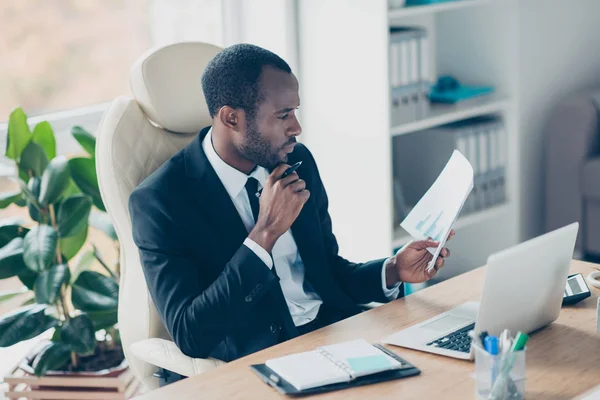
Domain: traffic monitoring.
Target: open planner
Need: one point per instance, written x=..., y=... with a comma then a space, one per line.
x=333, y=367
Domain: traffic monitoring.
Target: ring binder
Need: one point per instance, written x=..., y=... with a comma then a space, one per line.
x=333, y=367
x=342, y=366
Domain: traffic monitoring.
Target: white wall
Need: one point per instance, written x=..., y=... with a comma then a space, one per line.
x=559, y=55
x=267, y=23
x=187, y=20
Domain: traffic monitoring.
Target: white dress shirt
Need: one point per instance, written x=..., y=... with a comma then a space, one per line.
x=302, y=300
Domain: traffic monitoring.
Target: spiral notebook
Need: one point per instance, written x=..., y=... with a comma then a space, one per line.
x=334, y=367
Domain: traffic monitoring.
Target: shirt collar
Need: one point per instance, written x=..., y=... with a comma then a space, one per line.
x=233, y=180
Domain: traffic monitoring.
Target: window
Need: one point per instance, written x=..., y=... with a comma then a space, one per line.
x=64, y=60
x=64, y=54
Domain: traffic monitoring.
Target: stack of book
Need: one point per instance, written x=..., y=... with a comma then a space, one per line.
x=419, y=158
x=409, y=73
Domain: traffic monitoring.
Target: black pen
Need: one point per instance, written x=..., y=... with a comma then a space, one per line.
x=291, y=169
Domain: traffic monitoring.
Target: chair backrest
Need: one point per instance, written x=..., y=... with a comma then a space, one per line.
x=135, y=137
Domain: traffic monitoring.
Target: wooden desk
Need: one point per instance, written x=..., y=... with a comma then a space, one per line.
x=563, y=359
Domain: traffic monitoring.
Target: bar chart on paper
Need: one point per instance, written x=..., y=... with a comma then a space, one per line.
x=432, y=228
x=437, y=210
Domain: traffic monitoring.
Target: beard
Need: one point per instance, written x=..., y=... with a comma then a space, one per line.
x=258, y=150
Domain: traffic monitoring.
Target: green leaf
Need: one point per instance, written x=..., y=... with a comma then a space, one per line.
x=51, y=358
x=56, y=336
x=85, y=139
x=78, y=334
x=7, y=198
x=54, y=180
x=24, y=323
x=33, y=159
x=44, y=136
x=33, y=207
x=70, y=246
x=94, y=292
x=73, y=214
x=84, y=263
x=71, y=189
x=27, y=193
x=83, y=171
x=10, y=229
x=19, y=135
x=9, y=318
x=23, y=175
x=11, y=294
x=49, y=283
x=28, y=277
x=11, y=259
x=29, y=301
x=103, y=319
x=39, y=247
x=21, y=202
x=102, y=222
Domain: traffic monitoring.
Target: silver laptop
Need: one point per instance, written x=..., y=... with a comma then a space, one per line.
x=523, y=291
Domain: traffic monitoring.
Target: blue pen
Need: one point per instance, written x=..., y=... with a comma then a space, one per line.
x=491, y=346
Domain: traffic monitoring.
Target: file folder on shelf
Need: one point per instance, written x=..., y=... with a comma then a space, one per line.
x=419, y=157
x=409, y=73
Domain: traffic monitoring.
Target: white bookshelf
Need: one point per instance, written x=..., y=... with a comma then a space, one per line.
x=440, y=114
x=395, y=14
x=345, y=96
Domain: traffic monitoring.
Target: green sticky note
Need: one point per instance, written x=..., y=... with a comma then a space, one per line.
x=370, y=363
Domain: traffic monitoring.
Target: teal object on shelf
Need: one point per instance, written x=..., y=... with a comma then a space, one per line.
x=449, y=90
x=426, y=2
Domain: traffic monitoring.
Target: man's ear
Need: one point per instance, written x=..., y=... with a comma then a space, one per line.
x=230, y=117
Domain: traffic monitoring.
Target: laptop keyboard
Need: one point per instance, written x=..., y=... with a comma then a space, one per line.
x=458, y=340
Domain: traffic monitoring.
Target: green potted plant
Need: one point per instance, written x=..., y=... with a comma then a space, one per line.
x=63, y=200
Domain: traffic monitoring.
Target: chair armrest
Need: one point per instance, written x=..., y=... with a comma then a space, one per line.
x=165, y=354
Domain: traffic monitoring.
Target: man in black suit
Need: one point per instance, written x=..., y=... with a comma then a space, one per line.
x=236, y=257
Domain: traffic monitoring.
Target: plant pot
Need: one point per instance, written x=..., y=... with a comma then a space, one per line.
x=117, y=383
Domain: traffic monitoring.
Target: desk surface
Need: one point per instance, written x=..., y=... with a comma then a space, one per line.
x=563, y=359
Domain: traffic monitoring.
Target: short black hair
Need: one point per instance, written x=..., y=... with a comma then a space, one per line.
x=231, y=78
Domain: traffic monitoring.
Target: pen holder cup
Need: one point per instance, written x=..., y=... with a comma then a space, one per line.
x=491, y=379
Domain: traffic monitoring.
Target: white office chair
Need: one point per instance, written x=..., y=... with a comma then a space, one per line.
x=135, y=137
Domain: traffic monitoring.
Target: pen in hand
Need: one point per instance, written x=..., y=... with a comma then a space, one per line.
x=291, y=169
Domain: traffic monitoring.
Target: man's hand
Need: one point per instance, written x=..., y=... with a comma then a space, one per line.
x=280, y=203
x=410, y=263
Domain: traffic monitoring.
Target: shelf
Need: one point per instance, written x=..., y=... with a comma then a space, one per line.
x=401, y=238
x=441, y=114
x=410, y=11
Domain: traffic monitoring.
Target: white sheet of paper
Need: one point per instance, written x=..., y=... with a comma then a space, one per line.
x=435, y=214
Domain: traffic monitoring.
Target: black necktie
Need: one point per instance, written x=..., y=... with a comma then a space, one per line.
x=253, y=195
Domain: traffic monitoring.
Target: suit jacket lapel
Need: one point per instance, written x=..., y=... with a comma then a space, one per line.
x=223, y=216
x=212, y=198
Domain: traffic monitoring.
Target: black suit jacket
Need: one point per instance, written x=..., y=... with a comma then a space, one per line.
x=215, y=296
